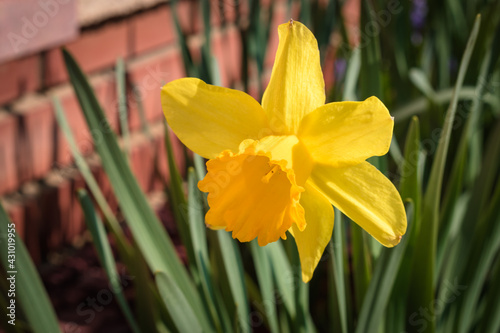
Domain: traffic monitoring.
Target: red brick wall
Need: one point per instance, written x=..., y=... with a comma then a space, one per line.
x=37, y=178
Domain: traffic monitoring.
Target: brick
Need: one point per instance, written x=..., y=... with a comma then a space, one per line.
x=102, y=179
x=105, y=91
x=104, y=86
x=227, y=49
x=8, y=145
x=19, y=77
x=329, y=68
x=31, y=26
x=162, y=159
x=189, y=15
x=96, y=49
x=58, y=205
x=279, y=17
x=223, y=12
x=76, y=122
x=142, y=158
x=35, y=229
x=151, y=29
x=147, y=75
x=77, y=220
x=351, y=14
x=91, y=12
x=35, y=158
x=15, y=210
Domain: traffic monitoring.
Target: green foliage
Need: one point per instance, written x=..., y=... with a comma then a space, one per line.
x=442, y=277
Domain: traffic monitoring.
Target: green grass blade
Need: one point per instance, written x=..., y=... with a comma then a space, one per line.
x=283, y=276
x=371, y=59
x=142, y=114
x=91, y=182
x=105, y=254
x=196, y=218
x=352, y=75
x=183, y=315
x=129, y=255
x=121, y=92
x=199, y=166
x=148, y=232
x=420, y=80
x=491, y=317
x=29, y=290
x=421, y=104
x=189, y=66
x=422, y=290
x=234, y=270
x=361, y=262
x=381, y=284
x=410, y=188
x=337, y=282
x=178, y=201
x=265, y=279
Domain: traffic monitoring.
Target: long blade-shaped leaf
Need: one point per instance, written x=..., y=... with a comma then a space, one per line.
x=182, y=314
x=25, y=284
x=148, y=232
x=105, y=254
x=234, y=270
x=265, y=278
x=90, y=180
x=338, y=286
x=381, y=284
x=422, y=289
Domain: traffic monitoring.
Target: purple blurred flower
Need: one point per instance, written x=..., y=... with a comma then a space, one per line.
x=340, y=68
x=418, y=16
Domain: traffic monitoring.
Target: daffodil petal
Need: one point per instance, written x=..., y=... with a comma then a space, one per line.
x=252, y=196
x=210, y=119
x=347, y=133
x=319, y=226
x=286, y=148
x=367, y=197
x=297, y=86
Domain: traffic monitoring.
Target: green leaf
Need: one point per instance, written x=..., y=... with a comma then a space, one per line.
x=421, y=104
x=29, y=290
x=265, y=278
x=123, y=246
x=283, y=276
x=234, y=270
x=337, y=282
x=410, y=188
x=371, y=59
x=420, y=80
x=148, y=232
x=423, y=288
x=178, y=201
x=352, y=76
x=178, y=306
x=491, y=317
x=381, y=284
x=121, y=92
x=105, y=254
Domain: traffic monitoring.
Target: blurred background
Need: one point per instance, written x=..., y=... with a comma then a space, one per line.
x=407, y=53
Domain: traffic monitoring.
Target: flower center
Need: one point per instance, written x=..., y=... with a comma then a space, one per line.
x=252, y=196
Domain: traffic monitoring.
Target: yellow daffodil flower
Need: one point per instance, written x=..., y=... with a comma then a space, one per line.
x=280, y=166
